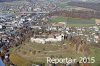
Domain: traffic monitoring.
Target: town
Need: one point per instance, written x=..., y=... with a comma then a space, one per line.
x=29, y=34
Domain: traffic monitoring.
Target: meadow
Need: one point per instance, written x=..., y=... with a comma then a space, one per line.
x=72, y=21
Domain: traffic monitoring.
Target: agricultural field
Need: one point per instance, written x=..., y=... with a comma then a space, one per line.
x=73, y=21
x=36, y=53
x=95, y=53
x=97, y=21
x=19, y=61
x=57, y=19
x=33, y=53
x=39, y=52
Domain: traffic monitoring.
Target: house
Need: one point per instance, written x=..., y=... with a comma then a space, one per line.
x=36, y=27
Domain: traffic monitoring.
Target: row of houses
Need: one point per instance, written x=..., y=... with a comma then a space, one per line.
x=89, y=34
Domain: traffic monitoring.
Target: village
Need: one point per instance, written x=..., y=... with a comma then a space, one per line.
x=33, y=30
x=14, y=30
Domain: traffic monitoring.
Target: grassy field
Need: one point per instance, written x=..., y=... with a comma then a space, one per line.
x=96, y=53
x=73, y=21
x=58, y=19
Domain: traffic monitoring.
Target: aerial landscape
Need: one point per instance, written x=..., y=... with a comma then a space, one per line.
x=49, y=32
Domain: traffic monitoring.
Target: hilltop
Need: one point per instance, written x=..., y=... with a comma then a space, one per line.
x=90, y=5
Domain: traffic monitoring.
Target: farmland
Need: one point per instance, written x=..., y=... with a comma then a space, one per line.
x=96, y=53
x=39, y=52
x=73, y=21
x=18, y=60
